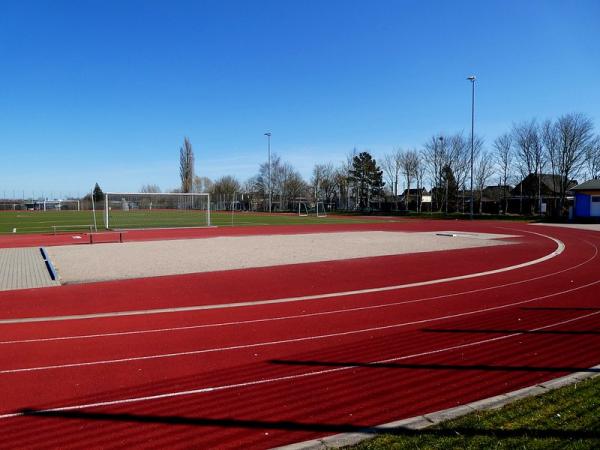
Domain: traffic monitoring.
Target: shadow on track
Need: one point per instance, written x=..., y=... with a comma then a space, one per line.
x=307, y=426
x=458, y=330
x=556, y=308
x=393, y=365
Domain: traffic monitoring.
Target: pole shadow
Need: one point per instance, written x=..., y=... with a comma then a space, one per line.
x=313, y=427
x=394, y=365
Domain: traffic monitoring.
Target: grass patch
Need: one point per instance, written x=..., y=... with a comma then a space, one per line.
x=80, y=221
x=566, y=418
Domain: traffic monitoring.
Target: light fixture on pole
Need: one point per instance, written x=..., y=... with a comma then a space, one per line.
x=268, y=135
x=472, y=80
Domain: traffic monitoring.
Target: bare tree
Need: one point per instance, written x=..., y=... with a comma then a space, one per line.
x=323, y=182
x=529, y=152
x=454, y=153
x=295, y=186
x=344, y=181
x=568, y=141
x=420, y=175
x=459, y=153
x=251, y=190
x=392, y=165
x=409, y=162
x=460, y=160
x=287, y=186
x=223, y=191
x=279, y=174
x=593, y=159
x=150, y=189
x=483, y=172
x=504, y=158
x=263, y=179
x=436, y=158
x=285, y=182
x=186, y=165
x=201, y=184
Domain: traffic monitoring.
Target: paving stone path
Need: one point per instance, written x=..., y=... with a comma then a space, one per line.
x=23, y=268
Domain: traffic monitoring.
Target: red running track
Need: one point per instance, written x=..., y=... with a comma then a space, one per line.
x=274, y=373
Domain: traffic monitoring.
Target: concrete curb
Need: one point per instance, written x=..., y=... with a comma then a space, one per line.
x=426, y=420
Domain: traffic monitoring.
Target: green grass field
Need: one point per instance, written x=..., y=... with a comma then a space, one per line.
x=45, y=221
x=567, y=418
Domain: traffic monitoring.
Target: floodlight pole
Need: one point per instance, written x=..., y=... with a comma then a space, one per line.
x=472, y=80
x=268, y=135
x=441, y=139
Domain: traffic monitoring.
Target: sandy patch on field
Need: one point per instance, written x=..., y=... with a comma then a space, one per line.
x=85, y=263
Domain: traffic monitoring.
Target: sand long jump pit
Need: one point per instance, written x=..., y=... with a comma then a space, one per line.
x=103, y=262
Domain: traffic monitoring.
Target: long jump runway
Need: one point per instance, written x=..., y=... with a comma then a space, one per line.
x=266, y=356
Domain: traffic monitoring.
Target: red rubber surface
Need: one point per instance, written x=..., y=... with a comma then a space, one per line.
x=293, y=371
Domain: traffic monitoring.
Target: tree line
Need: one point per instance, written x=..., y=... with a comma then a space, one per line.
x=556, y=151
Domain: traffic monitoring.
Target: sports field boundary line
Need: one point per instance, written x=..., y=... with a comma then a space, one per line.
x=427, y=420
x=560, y=247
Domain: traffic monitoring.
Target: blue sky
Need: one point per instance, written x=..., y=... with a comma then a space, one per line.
x=105, y=91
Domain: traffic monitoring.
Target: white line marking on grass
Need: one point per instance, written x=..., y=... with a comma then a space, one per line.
x=300, y=316
x=294, y=340
x=291, y=377
x=560, y=246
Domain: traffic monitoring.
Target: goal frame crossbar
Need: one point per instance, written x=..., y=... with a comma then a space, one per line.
x=107, y=196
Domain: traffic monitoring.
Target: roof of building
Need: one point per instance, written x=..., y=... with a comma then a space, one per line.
x=551, y=182
x=415, y=191
x=588, y=186
x=495, y=193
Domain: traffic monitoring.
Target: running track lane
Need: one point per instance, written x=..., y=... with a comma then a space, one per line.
x=377, y=364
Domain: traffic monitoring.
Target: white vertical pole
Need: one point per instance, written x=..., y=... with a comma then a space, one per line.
x=94, y=213
x=106, y=211
x=208, y=210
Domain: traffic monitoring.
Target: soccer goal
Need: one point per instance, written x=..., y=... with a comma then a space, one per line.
x=156, y=210
x=302, y=209
x=320, y=209
x=62, y=205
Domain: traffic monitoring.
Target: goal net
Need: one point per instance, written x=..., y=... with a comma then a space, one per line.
x=61, y=205
x=156, y=210
x=318, y=209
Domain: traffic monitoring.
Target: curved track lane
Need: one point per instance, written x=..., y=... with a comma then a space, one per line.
x=267, y=374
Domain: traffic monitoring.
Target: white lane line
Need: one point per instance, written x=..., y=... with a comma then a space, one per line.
x=292, y=377
x=300, y=316
x=560, y=246
x=293, y=340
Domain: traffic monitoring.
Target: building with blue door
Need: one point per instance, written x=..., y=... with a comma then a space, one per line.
x=587, y=199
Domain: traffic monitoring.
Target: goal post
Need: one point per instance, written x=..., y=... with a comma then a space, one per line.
x=320, y=209
x=302, y=209
x=123, y=210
